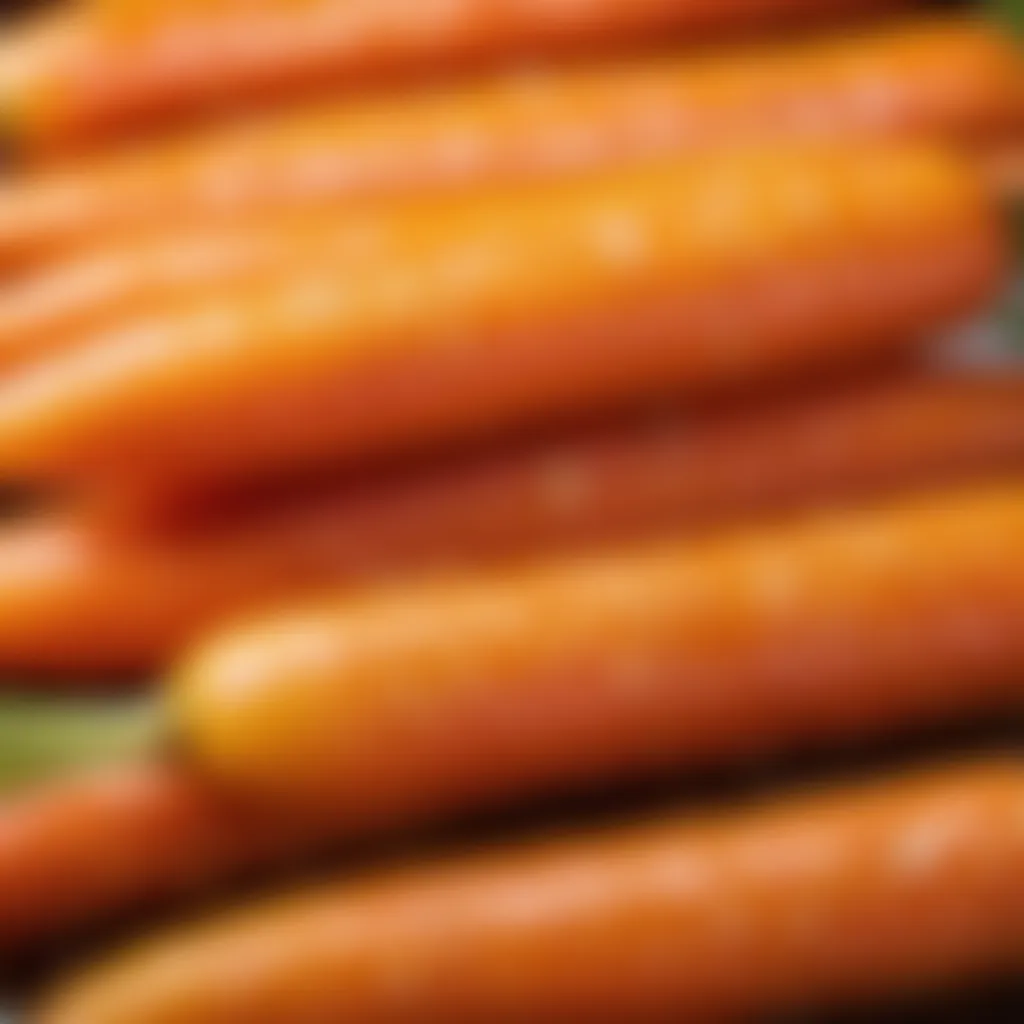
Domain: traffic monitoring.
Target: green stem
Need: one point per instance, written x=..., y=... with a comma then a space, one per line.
x=1012, y=317
x=43, y=738
x=1008, y=12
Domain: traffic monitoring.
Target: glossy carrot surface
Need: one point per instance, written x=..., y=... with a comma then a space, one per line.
x=462, y=693
x=77, y=596
x=906, y=884
x=513, y=307
x=956, y=79
x=60, y=305
x=95, y=72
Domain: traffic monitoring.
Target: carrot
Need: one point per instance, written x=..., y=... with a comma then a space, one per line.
x=903, y=885
x=77, y=596
x=432, y=698
x=100, y=72
x=957, y=79
x=85, y=851
x=515, y=306
x=784, y=639
x=53, y=308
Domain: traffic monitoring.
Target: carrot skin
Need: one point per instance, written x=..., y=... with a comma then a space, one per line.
x=54, y=308
x=100, y=73
x=900, y=886
x=508, y=684
x=956, y=80
x=86, y=851
x=88, y=596
x=509, y=308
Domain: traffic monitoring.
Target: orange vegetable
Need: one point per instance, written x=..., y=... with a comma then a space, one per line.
x=426, y=699
x=957, y=79
x=99, y=71
x=86, y=851
x=856, y=893
x=842, y=627
x=78, y=596
x=508, y=308
x=57, y=306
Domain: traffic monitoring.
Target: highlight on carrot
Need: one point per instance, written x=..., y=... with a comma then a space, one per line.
x=83, y=595
x=512, y=307
x=57, y=306
x=93, y=72
x=859, y=892
x=950, y=79
x=428, y=699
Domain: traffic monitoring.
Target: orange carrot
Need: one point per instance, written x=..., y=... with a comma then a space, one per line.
x=101, y=71
x=952, y=79
x=86, y=851
x=508, y=308
x=848, y=627
x=53, y=308
x=77, y=596
x=904, y=885
x=433, y=698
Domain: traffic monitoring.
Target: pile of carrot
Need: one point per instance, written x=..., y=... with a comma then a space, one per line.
x=423, y=411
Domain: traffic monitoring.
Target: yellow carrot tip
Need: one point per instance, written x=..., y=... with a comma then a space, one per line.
x=44, y=738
